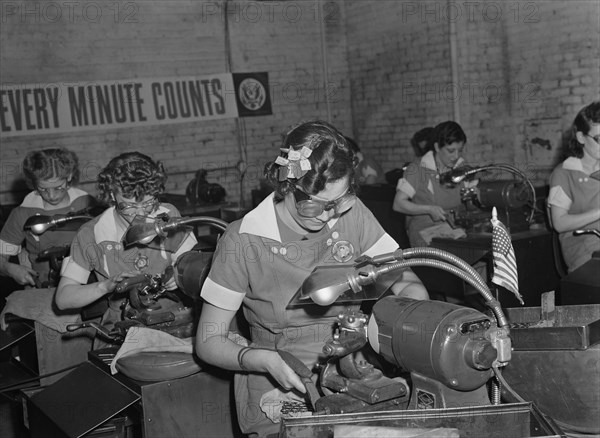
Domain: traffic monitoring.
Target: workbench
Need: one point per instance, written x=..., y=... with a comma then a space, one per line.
x=535, y=264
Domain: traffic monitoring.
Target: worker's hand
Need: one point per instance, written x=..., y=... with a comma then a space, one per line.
x=286, y=376
x=273, y=363
x=109, y=285
x=22, y=274
x=437, y=213
x=170, y=284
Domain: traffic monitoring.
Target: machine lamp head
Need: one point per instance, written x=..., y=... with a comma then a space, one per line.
x=39, y=224
x=142, y=233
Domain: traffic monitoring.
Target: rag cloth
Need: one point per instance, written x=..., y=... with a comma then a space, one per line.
x=443, y=230
x=144, y=339
x=271, y=403
x=38, y=305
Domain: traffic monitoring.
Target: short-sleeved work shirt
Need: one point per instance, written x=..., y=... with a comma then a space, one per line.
x=574, y=190
x=98, y=248
x=420, y=182
x=13, y=238
x=253, y=267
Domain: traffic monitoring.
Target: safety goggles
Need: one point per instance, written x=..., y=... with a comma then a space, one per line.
x=132, y=209
x=311, y=206
x=48, y=190
x=596, y=138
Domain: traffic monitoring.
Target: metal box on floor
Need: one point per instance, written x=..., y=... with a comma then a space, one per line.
x=558, y=367
x=90, y=398
x=514, y=420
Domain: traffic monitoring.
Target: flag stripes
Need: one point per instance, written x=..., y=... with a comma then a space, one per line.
x=505, y=262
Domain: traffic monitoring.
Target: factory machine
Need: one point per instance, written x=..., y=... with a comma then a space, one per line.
x=451, y=357
x=54, y=255
x=514, y=199
x=431, y=365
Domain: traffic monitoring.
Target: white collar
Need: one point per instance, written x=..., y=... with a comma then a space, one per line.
x=573, y=163
x=428, y=161
x=262, y=221
x=34, y=200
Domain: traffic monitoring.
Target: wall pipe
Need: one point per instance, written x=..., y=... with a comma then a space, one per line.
x=240, y=127
x=452, y=37
x=325, y=60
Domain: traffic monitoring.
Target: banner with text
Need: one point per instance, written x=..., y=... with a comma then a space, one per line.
x=33, y=109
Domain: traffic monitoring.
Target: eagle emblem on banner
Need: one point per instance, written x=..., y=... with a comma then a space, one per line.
x=252, y=94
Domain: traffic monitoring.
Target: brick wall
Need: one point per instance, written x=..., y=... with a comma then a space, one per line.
x=398, y=64
x=47, y=42
x=523, y=69
x=378, y=69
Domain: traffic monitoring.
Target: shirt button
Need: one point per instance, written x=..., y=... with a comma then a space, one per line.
x=274, y=250
x=283, y=251
x=329, y=242
x=335, y=235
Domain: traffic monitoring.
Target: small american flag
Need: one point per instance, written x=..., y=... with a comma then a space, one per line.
x=505, y=263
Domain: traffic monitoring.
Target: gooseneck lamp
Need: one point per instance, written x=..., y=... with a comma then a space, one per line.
x=39, y=224
x=456, y=176
x=328, y=285
x=144, y=233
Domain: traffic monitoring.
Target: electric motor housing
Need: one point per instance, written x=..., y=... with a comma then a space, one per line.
x=439, y=340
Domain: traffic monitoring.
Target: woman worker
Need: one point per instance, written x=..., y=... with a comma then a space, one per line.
x=131, y=183
x=419, y=194
x=574, y=197
x=51, y=174
x=367, y=170
x=313, y=218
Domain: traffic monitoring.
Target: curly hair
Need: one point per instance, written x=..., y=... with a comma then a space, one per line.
x=446, y=133
x=331, y=159
x=585, y=118
x=132, y=175
x=52, y=163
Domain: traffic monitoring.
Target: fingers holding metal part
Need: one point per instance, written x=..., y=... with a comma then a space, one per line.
x=437, y=213
x=111, y=283
x=278, y=368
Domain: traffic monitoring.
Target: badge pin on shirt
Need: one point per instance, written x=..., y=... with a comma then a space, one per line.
x=342, y=251
x=140, y=262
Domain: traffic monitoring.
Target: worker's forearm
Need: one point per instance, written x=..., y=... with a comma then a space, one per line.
x=408, y=207
x=217, y=350
x=570, y=222
x=415, y=291
x=4, y=266
x=224, y=353
x=77, y=296
x=410, y=286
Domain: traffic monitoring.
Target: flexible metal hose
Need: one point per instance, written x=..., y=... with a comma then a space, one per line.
x=473, y=281
x=496, y=392
x=175, y=223
x=438, y=264
x=449, y=257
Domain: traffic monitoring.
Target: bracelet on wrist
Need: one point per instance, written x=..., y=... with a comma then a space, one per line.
x=240, y=357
